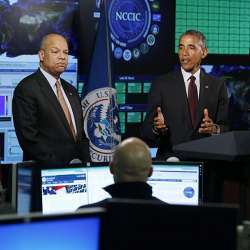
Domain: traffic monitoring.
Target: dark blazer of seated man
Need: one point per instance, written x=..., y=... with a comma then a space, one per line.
x=131, y=166
x=48, y=130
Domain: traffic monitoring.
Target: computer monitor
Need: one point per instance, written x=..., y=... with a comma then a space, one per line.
x=67, y=188
x=63, y=188
x=172, y=182
x=99, y=176
x=140, y=224
x=76, y=231
x=60, y=188
x=177, y=182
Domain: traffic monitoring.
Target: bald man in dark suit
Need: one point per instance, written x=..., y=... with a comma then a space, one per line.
x=48, y=131
x=180, y=113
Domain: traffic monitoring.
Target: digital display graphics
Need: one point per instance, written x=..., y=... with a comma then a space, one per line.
x=237, y=78
x=177, y=184
x=226, y=24
x=140, y=34
x=66, y=189
x=132, y=94
x=134, y=27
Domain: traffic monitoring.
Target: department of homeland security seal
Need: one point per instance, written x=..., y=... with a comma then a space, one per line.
x=101, y=123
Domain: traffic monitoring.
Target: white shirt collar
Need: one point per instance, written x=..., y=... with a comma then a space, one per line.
x=51, y=79
x=186, y=75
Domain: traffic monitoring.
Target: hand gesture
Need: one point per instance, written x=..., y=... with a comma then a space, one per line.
x=207, y=125
x=159, y=121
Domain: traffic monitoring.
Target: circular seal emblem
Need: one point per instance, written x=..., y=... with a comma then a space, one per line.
x=118, y=52
x=101, y=123
x=131, y=24
x=127, y=55
x=129, y=21
x=43, y=180
x=188, y=192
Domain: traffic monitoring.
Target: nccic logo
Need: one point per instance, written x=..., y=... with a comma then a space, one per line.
x=128, y=16
x=131, y=26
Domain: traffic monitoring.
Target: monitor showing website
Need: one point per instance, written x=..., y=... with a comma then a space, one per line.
x=177, y=182
x=66, y=189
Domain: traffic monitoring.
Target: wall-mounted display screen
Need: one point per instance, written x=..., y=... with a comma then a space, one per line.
x=140, y=34
x=237, y=78
x=226, y=24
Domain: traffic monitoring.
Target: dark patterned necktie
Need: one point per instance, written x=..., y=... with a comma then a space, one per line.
x=192, y=99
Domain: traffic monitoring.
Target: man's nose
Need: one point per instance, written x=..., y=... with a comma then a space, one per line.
x=185, y=51
x=62, y=55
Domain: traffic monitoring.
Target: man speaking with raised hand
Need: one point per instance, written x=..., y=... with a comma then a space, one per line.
x=186, y=104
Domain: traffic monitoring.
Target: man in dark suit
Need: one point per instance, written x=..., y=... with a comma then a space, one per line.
x=46, y=109
x=186, y=104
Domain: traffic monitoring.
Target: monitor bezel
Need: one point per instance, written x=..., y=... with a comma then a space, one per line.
x=36, y=180
x=38, y=216
x=95, y=212
x=172, y=215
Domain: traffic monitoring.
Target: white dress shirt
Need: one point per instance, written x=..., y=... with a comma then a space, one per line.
x=186, y=76
x=52, y=82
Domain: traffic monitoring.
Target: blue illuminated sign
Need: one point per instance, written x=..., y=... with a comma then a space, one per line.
x=132, y=28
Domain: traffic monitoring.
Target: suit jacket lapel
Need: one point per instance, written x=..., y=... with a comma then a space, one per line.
x=183, y=97
x=203, y=96
x=52, y=99
x=181, y=91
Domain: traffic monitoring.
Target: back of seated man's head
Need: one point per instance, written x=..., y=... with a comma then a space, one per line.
x=131, y=161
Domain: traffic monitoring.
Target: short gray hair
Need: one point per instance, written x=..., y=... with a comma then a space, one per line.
x=197, y=34
x=45, y=39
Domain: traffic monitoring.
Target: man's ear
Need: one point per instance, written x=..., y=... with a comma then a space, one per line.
x=150, y=172
x=111, y=168
x=204, y=52
x=41, y=55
